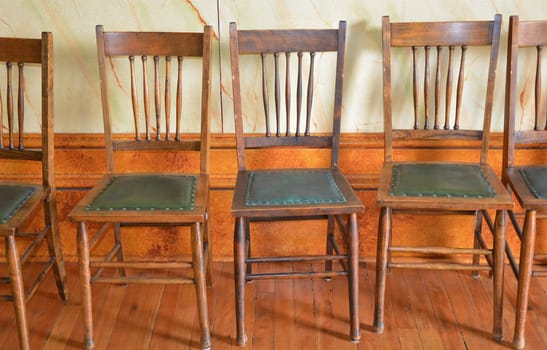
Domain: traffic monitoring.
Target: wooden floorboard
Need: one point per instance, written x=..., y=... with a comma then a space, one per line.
x=424, y=310
x=303, y=321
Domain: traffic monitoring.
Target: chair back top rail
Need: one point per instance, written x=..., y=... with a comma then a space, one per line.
x=155, y=58
x=153, y=44
x=297, y=48
x=438, y=51
x=525, y=37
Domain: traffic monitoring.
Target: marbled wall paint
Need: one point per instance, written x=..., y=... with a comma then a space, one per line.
x=77, y=96
x=77, y=91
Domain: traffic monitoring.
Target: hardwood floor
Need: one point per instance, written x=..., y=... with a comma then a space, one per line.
x=424, y=310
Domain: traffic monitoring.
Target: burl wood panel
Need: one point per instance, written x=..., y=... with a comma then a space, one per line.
x=80, y=161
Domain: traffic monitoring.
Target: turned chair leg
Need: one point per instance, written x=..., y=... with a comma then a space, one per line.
x=201, y=290
x=239, y=270
x=525, y=273
x=498, y=260
x=85, y=284
x=18, y=291
x=353, y=280
x=384, y=229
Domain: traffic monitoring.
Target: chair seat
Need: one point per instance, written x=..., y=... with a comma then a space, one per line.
x=536, y=180
x=292, y=187
x=297, y=189
x=143, y=198
x=13, y=198
x=440, y=180
x=454, y=186
x=147, y=192
x=529, y=184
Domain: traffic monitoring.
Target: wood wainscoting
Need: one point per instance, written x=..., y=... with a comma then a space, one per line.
x=80, y=162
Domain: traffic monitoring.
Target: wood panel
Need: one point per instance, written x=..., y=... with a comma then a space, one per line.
x=80, y=162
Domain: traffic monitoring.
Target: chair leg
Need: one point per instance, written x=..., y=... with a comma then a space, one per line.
x=249, y=267
x=353, y=280
x=389, y=244
x=498, y=260
x=85, y=284
x=239, y=271
x=508, y=251
x=329, y=248
x=208, y=249
x=476, y=243
x=201, y=291
x=525, y=272
x=54, y=246
x=384, y=230
x=18, y=291
x=119, y=254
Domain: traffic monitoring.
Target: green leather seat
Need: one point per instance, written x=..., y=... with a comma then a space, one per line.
x=536, y=179
x=12, y=198
x=292, y=187
x=147, y=192
x=440, y=180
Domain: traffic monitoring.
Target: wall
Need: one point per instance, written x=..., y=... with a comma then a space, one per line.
x=73, y=25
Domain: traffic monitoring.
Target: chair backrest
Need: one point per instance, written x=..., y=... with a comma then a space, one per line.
x=298, y=111
x=161, y=56
x=526, y=40
x=30, y=58
x=441, y=52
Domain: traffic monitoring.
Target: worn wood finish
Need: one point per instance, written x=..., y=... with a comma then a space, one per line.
x=156, y=134
x=28, y=55
x=459, y=38
x=525, y=35
x=309, y=44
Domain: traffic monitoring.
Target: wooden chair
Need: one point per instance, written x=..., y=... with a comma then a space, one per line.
x=265, y=194
x=20, y=201
x=438, y=186
x=150, y=198
x=527, y=182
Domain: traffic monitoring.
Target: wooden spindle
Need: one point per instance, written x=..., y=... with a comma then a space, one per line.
x=134, y=100
x=265, y=97
x=21, y=104
x=438, y=88
x=459, y=93
x=157, y=97
x=426, y=87
x=277, y=95
x=146, y=96
x=415, y=85
x=9, y=98
x=287, y=93
x=167, y=97
x=299, y=94
x=309, y=101
x=537, y=92
x=179, y=97
x=449, y=82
